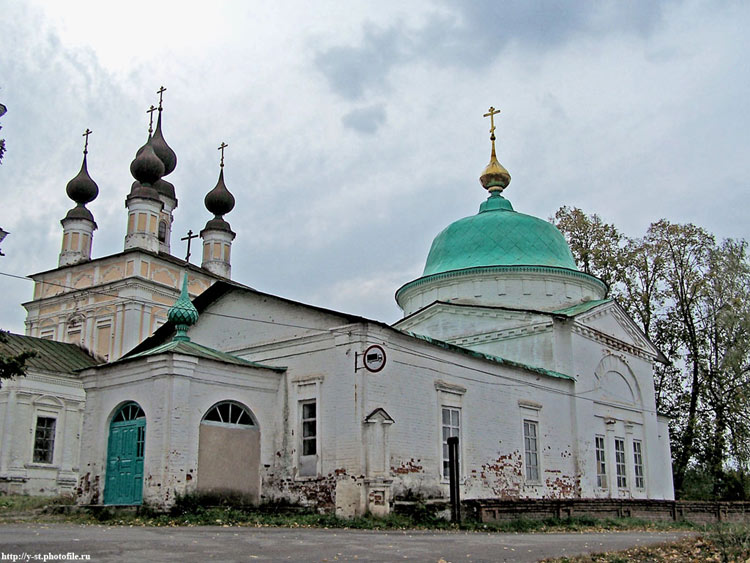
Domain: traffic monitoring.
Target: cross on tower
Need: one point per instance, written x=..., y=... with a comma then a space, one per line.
x=86, y=145
x=190, y=236
x=150, y=111
x=221, y=148
x=161, y=91
x=491, y=114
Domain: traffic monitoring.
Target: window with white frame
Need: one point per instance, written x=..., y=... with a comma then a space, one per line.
x=308, y=432
x=640, y=481
x=531, y=449
x=229, y=413
x=451, y=427
x=622, y=480
x=601, y=463
x=44, y=439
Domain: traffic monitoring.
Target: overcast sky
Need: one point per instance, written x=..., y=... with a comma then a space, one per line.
x=355, y=129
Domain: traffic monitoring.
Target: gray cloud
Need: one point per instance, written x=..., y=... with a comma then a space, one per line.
x=365, y=120
x=473, y=34
x=351, y=71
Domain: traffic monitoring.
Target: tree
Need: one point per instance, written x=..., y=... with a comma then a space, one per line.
x=12, y=365
x=726, y=358
x=686, y=250
x=596, y=245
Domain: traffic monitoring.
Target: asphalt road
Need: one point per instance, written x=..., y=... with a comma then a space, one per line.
x=215, y=543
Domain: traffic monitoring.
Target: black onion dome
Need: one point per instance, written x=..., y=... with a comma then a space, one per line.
x=147, y=168
x=82, y=189
x=219, y=201
x=165, y=188
x=163, y=150
x=80, y=212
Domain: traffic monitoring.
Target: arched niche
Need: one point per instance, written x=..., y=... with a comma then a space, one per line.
x=616, y=382
x=229, y=451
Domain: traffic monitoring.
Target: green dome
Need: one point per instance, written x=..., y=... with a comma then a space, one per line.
x=183, y=313
x=498, y=236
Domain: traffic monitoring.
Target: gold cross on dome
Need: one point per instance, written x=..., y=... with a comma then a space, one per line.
x=86, y=145
x=150, y=111
x=491, y=114
x=161, y=91
x=221, y=148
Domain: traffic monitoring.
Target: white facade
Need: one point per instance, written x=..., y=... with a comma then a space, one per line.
x=175, y=391
x=40, y=422
x=379, y=436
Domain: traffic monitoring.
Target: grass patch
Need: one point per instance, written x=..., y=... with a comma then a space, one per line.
x=194, y=510
x=10, y=504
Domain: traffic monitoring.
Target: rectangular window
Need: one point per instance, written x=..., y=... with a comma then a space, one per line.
x=309, y=430
x=640, y=482
x=451, y=427
x=531, y=447
x=601, y=464
x=44, y=439
x=622, y=481
x=308, y=456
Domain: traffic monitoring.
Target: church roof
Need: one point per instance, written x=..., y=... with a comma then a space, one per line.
x=221, y=288
x=490, y=357
x=58, y=357
x=498, y=236
x=189, y=348
x=581, y=307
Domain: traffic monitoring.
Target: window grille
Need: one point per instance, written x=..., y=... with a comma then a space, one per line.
x=601, y=464
x=451, y=427
x=44, y=439
x=622, y=481
x=531, y=448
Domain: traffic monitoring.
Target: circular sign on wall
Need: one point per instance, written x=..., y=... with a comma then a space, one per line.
x=374, y=358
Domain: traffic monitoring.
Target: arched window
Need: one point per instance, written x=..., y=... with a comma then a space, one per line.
x=162, y=231
x=131, y=411
x=229, y=413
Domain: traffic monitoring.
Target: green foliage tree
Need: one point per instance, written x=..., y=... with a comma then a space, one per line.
x=686, y=250
x=596, y=245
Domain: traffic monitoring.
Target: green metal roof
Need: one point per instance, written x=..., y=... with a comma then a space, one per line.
x=189, y=348
x=58, y=357
x=490, y=357
x=498, y=236
x=581, y=307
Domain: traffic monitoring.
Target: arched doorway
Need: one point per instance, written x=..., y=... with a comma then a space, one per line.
x=125, y=449
x=229, y=451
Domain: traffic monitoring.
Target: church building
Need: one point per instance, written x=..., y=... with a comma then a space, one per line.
x=504, y=344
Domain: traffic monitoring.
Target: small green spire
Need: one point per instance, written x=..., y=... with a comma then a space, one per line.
x=183, y=313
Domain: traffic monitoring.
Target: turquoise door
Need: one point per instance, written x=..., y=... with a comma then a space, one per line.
x=127, y=440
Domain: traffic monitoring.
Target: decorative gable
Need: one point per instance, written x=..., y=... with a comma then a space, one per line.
x=611, y=324
x=379, y=415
